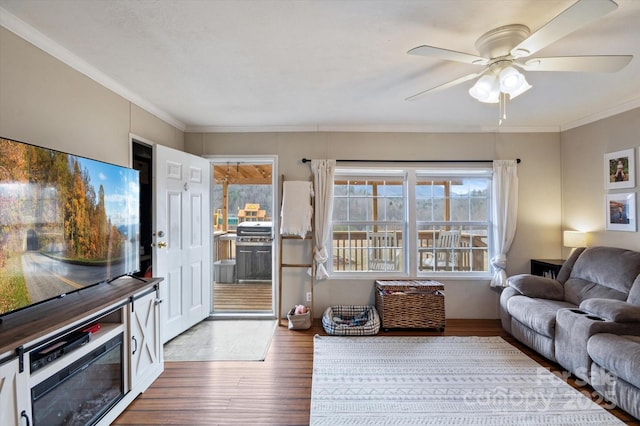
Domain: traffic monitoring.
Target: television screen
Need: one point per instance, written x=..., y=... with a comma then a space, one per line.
x=66, y=223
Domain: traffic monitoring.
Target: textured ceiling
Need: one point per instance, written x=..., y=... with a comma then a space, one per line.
x=259, y=65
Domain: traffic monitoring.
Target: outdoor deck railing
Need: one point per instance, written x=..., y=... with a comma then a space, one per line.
x=471, y=254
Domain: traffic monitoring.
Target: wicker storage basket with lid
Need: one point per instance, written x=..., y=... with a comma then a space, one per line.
x=410, y=304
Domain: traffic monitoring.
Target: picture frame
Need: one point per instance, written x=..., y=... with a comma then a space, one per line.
x=619, y=169
x=621, y=212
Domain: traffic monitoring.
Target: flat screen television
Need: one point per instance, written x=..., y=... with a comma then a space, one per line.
x=66, y=223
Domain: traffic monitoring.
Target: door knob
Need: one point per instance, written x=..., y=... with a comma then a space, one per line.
x=162, y=244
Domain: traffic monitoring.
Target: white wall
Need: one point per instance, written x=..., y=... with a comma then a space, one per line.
x=539, y=222
x=45, y=102
x=583, y=176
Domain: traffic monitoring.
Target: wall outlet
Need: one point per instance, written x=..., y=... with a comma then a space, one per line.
x=308, y=296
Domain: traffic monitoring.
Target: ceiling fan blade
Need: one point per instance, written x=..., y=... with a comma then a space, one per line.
x=579, y=14
x=447, y=84
x=448, y=55
x=604, y=63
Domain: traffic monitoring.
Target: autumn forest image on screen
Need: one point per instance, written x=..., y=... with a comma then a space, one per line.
x=66, y=222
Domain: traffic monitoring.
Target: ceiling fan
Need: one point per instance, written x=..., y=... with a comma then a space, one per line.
x=504, y=50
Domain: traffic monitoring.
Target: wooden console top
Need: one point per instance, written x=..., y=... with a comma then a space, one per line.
x=27, y=325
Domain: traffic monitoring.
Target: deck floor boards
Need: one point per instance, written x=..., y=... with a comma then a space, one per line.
x=242, y=297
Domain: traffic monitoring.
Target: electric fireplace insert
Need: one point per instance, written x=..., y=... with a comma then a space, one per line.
x=82, y=392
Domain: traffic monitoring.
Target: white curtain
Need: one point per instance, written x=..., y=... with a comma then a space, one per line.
x=505, y=215
x=323, y=172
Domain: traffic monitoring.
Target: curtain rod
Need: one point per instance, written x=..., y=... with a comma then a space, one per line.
x=306, y=160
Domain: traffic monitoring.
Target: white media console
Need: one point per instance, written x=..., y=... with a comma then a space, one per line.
x=83, y=358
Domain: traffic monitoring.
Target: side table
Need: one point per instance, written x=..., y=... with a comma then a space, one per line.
x=546, y=267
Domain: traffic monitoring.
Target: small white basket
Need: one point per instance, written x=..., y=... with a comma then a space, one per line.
x=300, y=321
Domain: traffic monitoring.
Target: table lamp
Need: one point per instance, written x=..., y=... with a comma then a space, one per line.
x=574, y=239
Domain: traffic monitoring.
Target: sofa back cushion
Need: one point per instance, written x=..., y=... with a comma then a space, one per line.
x=604, y=272
x=567, y=266
x=634, y=294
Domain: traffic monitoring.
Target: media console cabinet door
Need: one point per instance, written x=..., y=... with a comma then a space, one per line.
x=14, y=395
x=145, y=347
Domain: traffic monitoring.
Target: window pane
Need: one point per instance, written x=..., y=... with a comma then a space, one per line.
x=453, y=236
x=452, y=248
x=360, y=209
x=439, y=212
x=360, y=188
x=390, y=209
x=424, y=190
x=424, y=209
x=370, y=247
x=340, y=209
x=391, y=189
x=340, y=190
x=459, y=209
x=479, y=200
x=384, y=249
x=347, y=247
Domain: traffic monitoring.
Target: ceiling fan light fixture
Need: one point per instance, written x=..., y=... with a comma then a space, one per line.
x=511, y=80
x=520, y=90
x=486, y=89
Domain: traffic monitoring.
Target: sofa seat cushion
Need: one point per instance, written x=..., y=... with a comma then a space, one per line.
x=618, y=354
x=537, y=314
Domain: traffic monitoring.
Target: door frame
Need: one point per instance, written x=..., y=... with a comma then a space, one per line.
x=275, y=219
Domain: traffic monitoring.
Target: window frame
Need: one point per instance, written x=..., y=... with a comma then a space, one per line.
x=369, y=174
x=410, y=241
x=448, y=173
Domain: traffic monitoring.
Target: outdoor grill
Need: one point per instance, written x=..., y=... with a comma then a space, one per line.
x=253, y=250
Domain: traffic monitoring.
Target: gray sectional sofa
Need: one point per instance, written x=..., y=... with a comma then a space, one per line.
x=587, y=319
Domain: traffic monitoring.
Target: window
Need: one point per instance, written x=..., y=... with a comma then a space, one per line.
x=411, y=222
x=369, y=221
x=453, y=221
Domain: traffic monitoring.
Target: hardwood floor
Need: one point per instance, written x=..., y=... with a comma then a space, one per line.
x=274, y=392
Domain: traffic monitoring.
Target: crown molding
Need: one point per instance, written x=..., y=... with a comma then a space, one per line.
x=252, y=129
x=372, y=128
x=38, y=39
x=609, y=112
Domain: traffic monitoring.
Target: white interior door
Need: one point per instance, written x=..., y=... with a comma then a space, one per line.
x=182, y=241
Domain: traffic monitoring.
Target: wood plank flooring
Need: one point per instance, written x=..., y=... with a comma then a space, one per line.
x=274, y=392
x=242, y=297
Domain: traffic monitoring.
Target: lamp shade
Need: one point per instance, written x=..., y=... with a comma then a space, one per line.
x=574, y=239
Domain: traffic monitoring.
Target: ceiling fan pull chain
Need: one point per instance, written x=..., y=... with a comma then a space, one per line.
x=504, y=106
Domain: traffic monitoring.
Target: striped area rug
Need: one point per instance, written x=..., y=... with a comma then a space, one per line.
x=436, y=380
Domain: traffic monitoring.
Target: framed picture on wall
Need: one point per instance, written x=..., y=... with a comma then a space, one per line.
x=621, y=212
x=619, y=168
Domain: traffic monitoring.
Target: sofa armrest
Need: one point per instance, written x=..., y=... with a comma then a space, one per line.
x=537, y=286
x=612, y=310
x=574, y=328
